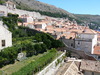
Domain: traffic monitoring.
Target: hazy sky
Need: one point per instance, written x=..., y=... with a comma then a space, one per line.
x=77, y=6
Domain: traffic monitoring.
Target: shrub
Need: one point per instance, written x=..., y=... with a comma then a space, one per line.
x=37, y=65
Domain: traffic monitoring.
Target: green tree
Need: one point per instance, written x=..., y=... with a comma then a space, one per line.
x=37, y=48
x=44, y=48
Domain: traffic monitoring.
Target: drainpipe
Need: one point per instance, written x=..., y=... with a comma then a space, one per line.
x=79, y=66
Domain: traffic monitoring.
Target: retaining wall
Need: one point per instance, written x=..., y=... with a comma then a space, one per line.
x=53, y=67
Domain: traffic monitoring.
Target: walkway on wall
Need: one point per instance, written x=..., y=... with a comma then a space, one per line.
x=63, y=68
x=82, y=54
x=69, y=68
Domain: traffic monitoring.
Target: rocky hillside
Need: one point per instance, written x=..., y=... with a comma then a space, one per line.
x=43, y=8
x=50, y=10
x=92, y=20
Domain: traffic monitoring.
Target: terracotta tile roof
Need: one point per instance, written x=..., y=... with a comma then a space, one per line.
x=90, y=31
x=60, y=29
x=96, y=50
x=80, y=29
x=49, y=31
x=93, y=66
x=10, y=2
x=19, y=24
x=37, y=24
x=39, y=29
x=98, y=36
x=41, y=22
x=50, y=27
x=70, y=35
x=2, y=12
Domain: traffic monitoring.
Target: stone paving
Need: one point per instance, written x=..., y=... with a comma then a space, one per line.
x=63, y=68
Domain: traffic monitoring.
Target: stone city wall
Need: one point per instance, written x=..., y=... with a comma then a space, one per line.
x=53, y=67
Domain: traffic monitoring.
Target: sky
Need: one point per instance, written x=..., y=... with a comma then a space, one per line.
x=77, y=6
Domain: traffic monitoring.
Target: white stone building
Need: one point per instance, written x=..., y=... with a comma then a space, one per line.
x=10, y=5
x=2, y=13
x=89, y=67
x=81, y=38
x=26, y=19
x=86, y=41
x=5, y=37
x=40, y=25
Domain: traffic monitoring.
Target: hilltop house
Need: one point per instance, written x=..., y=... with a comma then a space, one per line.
x=40, y=25
x=2, y=13
x=10, y=5
x=5, y=37
x=26, y=18
x=86, y=40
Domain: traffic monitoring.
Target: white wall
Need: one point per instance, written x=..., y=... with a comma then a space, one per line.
x=83, y=45
x=5, y=35
x=94, y=42
x=2, y=14
x=86, y=36
x=52, y=68
x=3, y=8
x=44, y=26
x=87, y=46
x=20, y=12
x=29, y=19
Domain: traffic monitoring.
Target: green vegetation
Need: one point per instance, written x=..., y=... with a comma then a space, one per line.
x=17, y=31
x=9, y=69
x=26, y=40
x=57, y=15
x=49, y=41
x=93, y=21
x=8, y=55
x=38, y=64
x=2, y=2
x=68, y=54
x=0, y=72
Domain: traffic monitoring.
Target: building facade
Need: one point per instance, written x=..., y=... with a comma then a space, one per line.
x=10, y=5
x=5, y=37
x=86, y=42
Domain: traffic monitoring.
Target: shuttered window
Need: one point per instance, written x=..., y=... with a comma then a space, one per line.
x=3, y=43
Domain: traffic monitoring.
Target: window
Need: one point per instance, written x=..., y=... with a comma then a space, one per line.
x=72, y=44
x=92, y=73
x=78, y=42
x=98, y=57
x=3, y=43
x=70, y=38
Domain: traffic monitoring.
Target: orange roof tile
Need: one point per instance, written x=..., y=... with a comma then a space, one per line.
x=96, y=50
x=10, y=2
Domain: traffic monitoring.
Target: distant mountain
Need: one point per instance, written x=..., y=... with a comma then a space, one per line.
x=92, y=20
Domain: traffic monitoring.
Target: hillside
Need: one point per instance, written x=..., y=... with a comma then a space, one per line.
x=43, y=8
x=50, y=10
x=92, y=20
